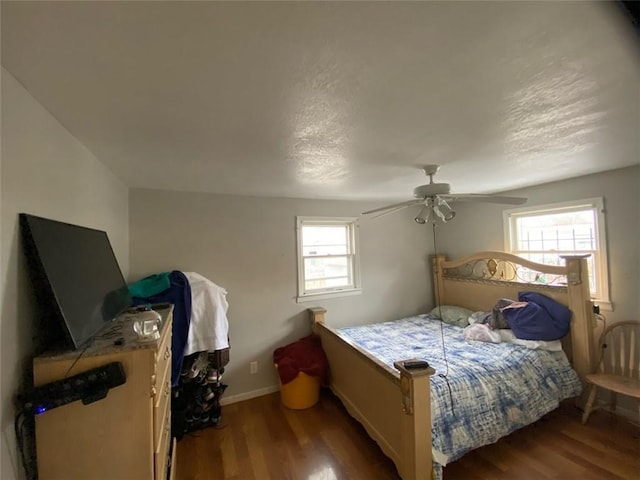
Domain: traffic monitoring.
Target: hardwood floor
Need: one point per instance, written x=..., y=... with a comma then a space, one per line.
x=259, y=439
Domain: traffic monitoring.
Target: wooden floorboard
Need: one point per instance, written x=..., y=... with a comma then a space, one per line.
x=259, y=439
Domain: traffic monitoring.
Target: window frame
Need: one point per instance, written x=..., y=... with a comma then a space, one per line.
x=353, y=242
x=595, y=203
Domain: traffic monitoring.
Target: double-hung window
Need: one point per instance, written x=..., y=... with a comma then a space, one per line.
x=545, y=233
x=328, y=260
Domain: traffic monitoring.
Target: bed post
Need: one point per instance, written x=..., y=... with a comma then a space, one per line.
x=583, y=322
x=438, y=284
x=415, y=387
x=317, y=316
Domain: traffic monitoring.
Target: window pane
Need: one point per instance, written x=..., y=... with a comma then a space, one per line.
x=545, y=238
x=309, y=251
x=327, y=256
x=317, y=268
x=547, y=259
x=568, y=231
x=325, y=240
x=328, y=283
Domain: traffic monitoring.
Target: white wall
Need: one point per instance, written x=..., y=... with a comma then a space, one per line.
x=47, y=172
x=479, y=227
x=248, y=246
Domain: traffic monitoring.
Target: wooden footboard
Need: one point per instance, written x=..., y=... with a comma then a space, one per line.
x=392, y=405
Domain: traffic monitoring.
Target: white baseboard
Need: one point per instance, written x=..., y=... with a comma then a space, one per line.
x=248, y=395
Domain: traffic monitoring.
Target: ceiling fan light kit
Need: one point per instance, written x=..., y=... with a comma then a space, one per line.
x=443, y=210
x=434, y=196
x=424, y=215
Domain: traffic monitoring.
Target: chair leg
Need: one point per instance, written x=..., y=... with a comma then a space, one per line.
x=614, y=401
x=588, y=407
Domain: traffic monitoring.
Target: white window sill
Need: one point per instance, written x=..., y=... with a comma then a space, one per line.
x=312, y=297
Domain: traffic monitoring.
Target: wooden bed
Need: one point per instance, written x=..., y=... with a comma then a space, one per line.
x=394, y=404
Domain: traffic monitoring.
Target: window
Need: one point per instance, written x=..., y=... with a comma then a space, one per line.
x=328, y=262
x=544, y=233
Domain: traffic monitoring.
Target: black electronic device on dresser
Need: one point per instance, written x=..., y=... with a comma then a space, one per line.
x=88, y=386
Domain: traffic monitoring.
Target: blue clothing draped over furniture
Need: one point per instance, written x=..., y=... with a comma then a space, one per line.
x=179, y=294
x=200, y=344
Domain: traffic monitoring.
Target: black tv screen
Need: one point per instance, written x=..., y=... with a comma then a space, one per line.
x=76, y=271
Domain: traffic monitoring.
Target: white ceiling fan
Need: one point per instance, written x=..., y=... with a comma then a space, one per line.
x=435, y=199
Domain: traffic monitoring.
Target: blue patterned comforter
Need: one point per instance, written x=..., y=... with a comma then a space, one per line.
x=483, y=391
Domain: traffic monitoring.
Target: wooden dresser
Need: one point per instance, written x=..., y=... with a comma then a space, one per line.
x=126, y=435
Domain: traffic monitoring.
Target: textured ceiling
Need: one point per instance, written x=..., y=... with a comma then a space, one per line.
x=334, y=100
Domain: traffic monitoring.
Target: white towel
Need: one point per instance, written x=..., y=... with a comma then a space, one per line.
x=209, y=327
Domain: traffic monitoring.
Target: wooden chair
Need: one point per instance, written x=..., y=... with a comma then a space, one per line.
x=618, y=367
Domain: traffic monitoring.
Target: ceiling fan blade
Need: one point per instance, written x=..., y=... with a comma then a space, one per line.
x=478, y=197
x=391, y=208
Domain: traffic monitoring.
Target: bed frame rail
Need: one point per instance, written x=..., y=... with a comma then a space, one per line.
x=399, y=418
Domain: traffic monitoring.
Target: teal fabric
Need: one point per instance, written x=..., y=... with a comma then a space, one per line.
x=151, y=285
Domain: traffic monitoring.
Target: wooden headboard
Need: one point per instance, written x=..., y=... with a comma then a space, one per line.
x=479, y=280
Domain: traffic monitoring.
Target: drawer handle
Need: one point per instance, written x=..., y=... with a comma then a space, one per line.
x=167, y=390
x=153, y=391
x=167, y=353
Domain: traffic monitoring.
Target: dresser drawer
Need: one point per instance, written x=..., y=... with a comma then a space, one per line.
x=163, y=355
x=162, y=386
x=161, y=415
x=162, y=455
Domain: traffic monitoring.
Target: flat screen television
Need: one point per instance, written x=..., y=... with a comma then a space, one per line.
x=76, y=277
